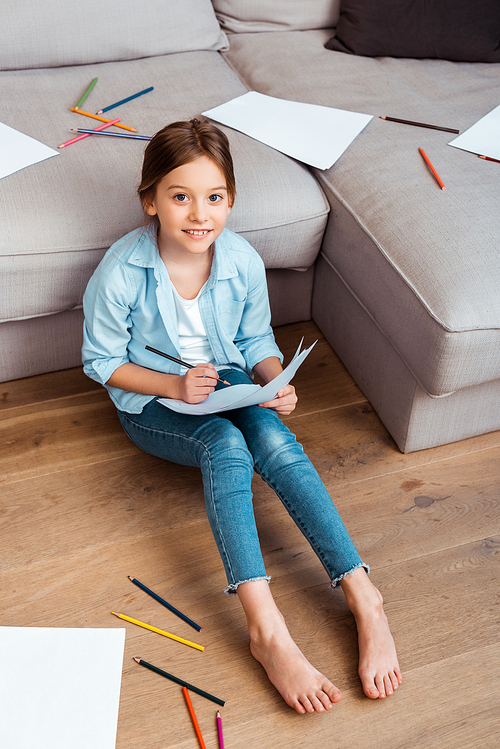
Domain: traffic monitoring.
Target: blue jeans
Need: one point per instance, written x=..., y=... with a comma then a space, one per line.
x=228, y=447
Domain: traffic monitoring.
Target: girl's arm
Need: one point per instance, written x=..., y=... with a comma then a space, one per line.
x=193, y=387
x=286, y=399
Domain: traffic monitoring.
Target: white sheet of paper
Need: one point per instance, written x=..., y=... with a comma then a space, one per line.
x=240, y=396
x=483, y=137
x=60, y=688
x=311, y=133
x=18, y=151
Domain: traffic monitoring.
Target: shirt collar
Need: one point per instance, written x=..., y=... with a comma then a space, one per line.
x=145, y=255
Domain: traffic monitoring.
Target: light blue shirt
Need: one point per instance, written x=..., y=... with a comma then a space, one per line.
x=129, y=304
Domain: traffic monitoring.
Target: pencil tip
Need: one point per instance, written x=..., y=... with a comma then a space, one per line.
x=130, y=577
x=137, y=660
x=382, y=118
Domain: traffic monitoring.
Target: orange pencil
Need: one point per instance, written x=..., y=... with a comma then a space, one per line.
x=102, y=119
x=193, y=717
x=435, y=174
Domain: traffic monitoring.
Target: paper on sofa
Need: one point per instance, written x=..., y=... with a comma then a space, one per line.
x=310, y=133
x=18, y=151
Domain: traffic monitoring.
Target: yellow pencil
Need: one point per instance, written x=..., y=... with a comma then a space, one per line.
x=158, y=631
x=102, y=119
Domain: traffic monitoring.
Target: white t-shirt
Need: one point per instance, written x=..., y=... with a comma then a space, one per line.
x=195, y=348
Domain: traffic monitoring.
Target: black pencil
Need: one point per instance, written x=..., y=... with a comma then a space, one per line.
x=176, y=360
x=421, y=124
x=179, y=681
x=165, y=603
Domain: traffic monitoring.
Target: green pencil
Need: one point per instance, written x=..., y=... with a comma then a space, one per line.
x=87, y=92
x=179, y=681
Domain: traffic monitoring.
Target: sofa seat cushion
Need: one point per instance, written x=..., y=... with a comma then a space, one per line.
x=423, y=262
x=58, y=217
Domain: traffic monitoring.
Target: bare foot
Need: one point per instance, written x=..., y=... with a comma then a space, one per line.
x=378, y=662
x=299, y=683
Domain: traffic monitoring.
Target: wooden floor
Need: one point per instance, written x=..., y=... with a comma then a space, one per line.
x=82, y=509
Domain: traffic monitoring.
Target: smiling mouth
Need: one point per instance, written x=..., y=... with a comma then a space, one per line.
x=197, y=232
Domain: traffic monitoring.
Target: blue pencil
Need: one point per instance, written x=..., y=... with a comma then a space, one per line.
x=123, y=101
x=165, y=603
x=134, y=136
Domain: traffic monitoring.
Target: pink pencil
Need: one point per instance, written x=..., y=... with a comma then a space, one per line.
x=79, y=137
x=219, y=731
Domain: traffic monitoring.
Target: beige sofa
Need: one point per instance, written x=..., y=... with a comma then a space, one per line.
x=402, y=278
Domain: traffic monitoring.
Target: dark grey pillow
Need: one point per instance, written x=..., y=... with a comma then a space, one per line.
x=459, y=30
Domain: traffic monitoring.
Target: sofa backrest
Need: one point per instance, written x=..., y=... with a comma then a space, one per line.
x=55, y=33
x=247, y=16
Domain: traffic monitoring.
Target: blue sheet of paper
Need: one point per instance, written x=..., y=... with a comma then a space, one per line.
x=240, y=396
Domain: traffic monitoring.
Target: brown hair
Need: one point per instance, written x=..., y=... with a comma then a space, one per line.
x=180, y=143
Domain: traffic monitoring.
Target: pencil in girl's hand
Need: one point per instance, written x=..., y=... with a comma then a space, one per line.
x=158, y=631
x=87, y=92
x=181, y=682
x=193, y=717
x=435, y=174
x=80, y=137
x=165, y=603
x=124, y=101
x=103, y=119
x=176, y=360
x=219, y=731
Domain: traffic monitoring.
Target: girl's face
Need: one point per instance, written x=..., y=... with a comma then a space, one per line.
x=192, y=206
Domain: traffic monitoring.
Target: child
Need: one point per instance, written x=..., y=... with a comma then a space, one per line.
x=189, y=287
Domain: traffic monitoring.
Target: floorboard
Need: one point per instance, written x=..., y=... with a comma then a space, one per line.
x=81, y=509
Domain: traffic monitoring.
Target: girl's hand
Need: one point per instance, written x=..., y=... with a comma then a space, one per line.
x=285, y=401
x=197, y=384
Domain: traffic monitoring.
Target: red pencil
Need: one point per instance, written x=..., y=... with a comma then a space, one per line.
x=79, y=137
x=193, y=717
x=489, y=158
x=436, y=175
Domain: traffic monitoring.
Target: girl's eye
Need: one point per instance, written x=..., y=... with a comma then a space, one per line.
x=181, y=197
x=215, y=198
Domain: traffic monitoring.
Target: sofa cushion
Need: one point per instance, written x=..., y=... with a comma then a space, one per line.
x=458, y=30
x=51, y=33
x=423, y=262
x=59, y=216
x=279, y=15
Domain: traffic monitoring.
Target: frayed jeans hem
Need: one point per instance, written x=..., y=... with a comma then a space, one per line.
x=335, y=582
x=231, y=589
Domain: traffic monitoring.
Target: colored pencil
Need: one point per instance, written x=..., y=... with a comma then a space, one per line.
x=436, y=175
x=87, y=92
x=80, y=137
x=219, y=731
x=158, y=631
x=133, y=136
x=124, y=101
x=193, y=717
x=489, y=158
x=181, y=682
x=421, y=124
x=165, y=603
x=176, y=360
x=102, y=119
